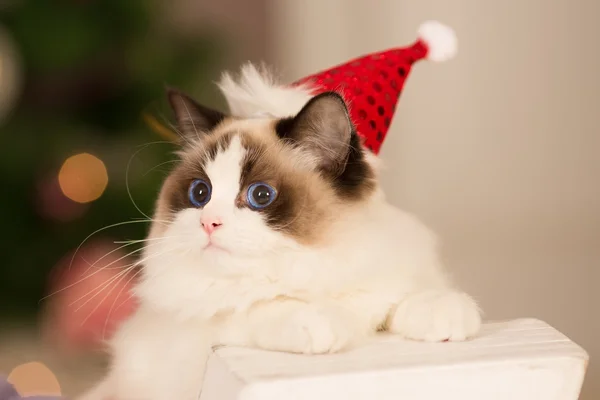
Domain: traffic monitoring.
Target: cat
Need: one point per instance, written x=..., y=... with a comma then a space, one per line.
x=273, y=232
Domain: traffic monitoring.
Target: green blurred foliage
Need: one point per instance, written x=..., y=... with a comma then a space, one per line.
x=91, y=68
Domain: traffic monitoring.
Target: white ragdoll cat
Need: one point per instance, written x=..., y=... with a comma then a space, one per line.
x=273, y=232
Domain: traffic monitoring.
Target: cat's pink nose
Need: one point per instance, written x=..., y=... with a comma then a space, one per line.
x=210, y=224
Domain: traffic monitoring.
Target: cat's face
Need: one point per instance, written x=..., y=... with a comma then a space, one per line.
x=246, y=188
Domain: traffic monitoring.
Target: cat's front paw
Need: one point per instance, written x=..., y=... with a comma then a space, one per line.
x=307, y=330
x=436, y=316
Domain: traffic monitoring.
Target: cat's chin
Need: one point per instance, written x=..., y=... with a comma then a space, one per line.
x=212, y=247
x=218, y=260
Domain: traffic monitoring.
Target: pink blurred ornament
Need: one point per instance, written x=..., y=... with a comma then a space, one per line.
x=89, y=298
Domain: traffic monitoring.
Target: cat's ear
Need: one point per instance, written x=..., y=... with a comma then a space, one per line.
x=323, y=128
x=192, y=119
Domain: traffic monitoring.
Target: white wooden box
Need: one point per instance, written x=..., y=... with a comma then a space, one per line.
x=524, y=359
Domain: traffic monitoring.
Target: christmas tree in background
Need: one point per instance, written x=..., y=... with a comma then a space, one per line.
x=78, y=77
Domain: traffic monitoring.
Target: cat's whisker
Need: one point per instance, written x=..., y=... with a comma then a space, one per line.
x=110, y=267
x=191, y=119
x=99, y=270
x=107, y=266
x=129, y=296
x=134, y=241
x=180, y=133
x=148, y=259
x=187, y=250
x=127, y=177
x=159, y=165
x=104, y=256
x=118, y=278
x=108, y=227
x=155, y=142
x=100, y=288
x=152, y=256
x=127, y=284
x=166, y=122
x=103, y=299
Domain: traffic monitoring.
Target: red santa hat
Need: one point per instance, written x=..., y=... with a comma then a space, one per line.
x=372, y=84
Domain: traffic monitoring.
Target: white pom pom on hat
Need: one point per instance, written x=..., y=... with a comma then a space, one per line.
x=440, y=40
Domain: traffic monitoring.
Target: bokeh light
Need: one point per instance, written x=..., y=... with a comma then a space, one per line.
x=34, y=379
x=10, y=74
x=83, y=178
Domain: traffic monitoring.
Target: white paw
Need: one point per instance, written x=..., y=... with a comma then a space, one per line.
x=307, y=330
x=435, y=316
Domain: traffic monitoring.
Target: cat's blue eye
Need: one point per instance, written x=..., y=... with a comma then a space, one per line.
x=260, y=195
x=199, y=192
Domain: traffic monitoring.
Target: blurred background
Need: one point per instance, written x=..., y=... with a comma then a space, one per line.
x=496, y=150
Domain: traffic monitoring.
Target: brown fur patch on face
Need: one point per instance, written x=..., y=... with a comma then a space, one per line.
x=303, y=202
x=307, y=199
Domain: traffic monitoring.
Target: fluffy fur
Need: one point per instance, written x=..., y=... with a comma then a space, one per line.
x=332, y=266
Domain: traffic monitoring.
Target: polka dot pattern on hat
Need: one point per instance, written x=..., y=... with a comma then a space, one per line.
x=372, y=84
